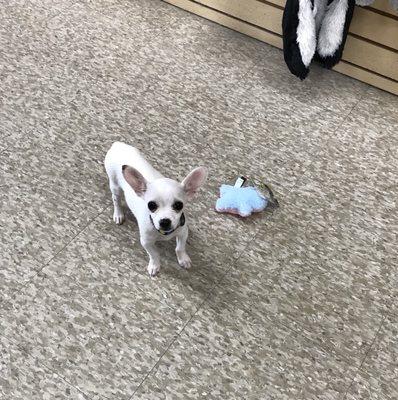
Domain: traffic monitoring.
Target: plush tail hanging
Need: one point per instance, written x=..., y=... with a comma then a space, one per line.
x=299, y=36
x=333, y=31
x=315, y=25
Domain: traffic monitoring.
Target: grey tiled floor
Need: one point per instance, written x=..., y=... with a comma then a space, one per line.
x=296, y=304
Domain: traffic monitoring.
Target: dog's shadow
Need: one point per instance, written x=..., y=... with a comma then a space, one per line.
x=206, y=270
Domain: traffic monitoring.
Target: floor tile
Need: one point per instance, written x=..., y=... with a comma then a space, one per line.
x=325, y=265
x=21, y=28
x=17, y=267
x=342, y=321
x=378, y=111
x=43, y=201
x=32, y=91
x=341, y=212
x=377, y=376
x=34, y=97
x=79, y=52
x=349, y=193
x=22, y=377
x=270, y=151
x=226, y=353
x=322, y=87
x=191, y=42
x=110, y=260
x=99, y=341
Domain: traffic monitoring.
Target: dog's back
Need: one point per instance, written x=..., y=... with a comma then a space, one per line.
x=122, y=154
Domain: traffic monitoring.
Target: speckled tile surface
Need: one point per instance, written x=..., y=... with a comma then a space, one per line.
x=101, y=342
x=327, y=263
x=332, y=91
x=334, y=314
x=23, y=377
x=377, y=377
x=229, y=354
x=43, y=204
x=295, y=303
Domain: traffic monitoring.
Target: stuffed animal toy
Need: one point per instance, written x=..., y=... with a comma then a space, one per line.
x=240, y=200
x=315, y=28
x=243, y=201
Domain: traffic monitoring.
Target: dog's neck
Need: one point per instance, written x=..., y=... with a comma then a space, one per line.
x=182, y=223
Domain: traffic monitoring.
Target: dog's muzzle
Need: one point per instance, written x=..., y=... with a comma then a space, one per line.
x=165, y=233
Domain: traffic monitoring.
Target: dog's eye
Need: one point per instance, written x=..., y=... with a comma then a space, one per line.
x=178, y=205
x=152, y=206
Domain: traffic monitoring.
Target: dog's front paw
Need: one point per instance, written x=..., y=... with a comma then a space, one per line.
x=118, y=217
x=153, y=269
x=184, y=261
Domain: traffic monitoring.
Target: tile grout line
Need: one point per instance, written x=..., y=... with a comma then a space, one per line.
x=43, y=365
x=198, y=308
x=7, y=146
x=60, y=250
x=365, y=357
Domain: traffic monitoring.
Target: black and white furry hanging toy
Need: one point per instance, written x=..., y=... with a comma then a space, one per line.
x=315, y=28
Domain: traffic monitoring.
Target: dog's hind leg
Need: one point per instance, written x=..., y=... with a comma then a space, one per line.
x=116, y=190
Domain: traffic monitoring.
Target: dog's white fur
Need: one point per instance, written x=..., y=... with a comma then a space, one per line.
x=130, y=173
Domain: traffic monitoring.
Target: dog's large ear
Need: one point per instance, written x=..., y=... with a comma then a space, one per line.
x=134, y=179
x=194, y=181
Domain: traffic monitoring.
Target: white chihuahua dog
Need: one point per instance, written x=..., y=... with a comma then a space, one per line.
x=157, y=202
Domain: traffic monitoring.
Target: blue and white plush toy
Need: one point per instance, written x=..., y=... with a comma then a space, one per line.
x=240, y=200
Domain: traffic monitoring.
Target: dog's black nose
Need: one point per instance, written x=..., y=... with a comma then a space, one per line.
x=165, y=224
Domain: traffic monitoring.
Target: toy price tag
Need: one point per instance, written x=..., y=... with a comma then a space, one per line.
x=240, y=182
